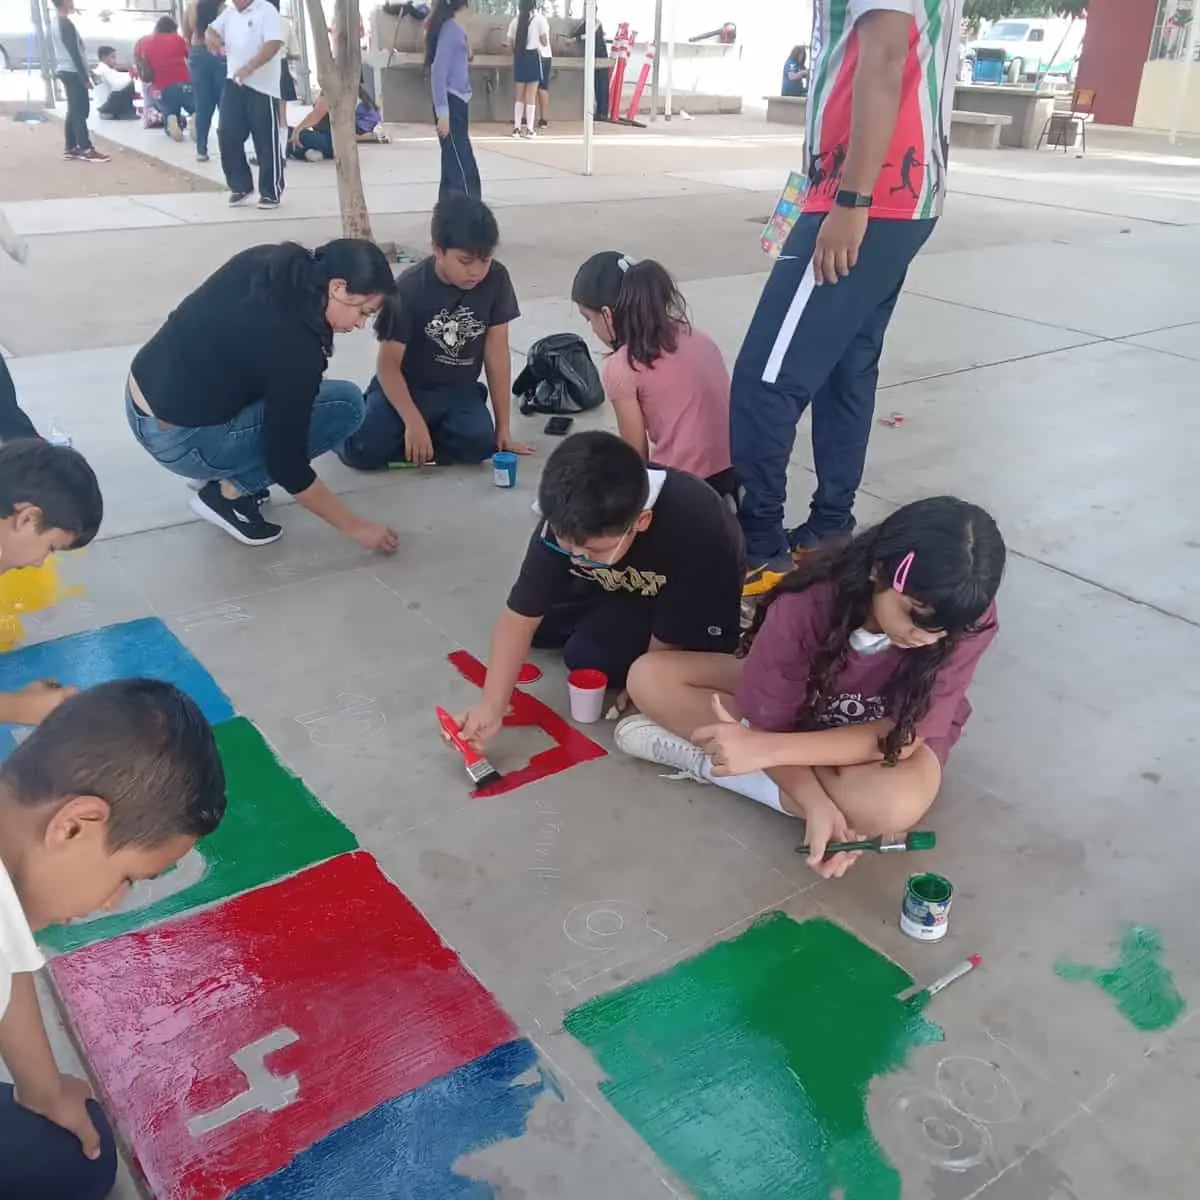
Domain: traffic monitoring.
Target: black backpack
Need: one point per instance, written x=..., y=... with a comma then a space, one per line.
x=559, y=377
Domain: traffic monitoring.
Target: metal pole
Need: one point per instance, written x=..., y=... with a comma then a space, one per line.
x=589, y=83
x=300, y=24
x=671, y=24
x=1185, y=78
x=41, y=20
x=654, y=67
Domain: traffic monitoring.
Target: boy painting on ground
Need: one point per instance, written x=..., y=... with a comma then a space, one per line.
x=624, y=560
x=49, y=502
x=115, y=786
x=447, y=322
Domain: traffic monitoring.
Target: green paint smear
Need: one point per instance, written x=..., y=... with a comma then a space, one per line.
x=746, y=1069
x=273, y=826
x=1142, y=987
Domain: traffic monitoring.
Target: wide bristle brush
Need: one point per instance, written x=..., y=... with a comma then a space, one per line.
x=919, y=839
x=482, y=773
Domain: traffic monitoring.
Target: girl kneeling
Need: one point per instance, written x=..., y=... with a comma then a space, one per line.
x=855, y=687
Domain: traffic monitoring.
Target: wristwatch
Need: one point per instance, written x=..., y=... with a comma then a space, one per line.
x=845, y=199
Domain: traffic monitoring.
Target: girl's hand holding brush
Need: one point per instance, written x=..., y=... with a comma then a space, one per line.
x=734, y=748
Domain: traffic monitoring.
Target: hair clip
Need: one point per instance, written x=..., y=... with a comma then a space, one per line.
x=901, y=576
x=625, y=262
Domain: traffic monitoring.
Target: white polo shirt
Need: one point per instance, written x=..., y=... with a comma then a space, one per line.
x=244, y=34
x=18, y=950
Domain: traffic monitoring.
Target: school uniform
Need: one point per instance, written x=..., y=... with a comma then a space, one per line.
x=527, y=59
x=38, y=1158
x=251, y=109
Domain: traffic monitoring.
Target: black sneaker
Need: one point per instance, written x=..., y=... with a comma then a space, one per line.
x=239, y=518
x=237, y=197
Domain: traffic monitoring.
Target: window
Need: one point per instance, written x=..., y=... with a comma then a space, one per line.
x=1037, y=35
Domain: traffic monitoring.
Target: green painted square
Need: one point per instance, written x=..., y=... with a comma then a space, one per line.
x=273, y=827
x=746, y=1068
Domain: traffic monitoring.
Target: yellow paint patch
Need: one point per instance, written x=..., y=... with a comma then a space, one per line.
x=29, y=590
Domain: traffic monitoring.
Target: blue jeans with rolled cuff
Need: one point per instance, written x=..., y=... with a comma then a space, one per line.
x=234, y=451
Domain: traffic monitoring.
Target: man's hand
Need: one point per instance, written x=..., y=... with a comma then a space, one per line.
x=371, y=535
x=506, y=441
x=443, y=127
x=838, y=242
x=241, y=75
x=66, y=1106
x=295, y=138
x=36, y=701
x=478, y=725
x=418, y=441
x=825, y=823
x=734, y=749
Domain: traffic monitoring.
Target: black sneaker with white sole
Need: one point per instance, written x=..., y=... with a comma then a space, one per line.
x=259, y=498
x=237, y=197
x=239, y=518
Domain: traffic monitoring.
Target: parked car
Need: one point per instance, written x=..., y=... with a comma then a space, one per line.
x=116, y=27
x=1034, y=46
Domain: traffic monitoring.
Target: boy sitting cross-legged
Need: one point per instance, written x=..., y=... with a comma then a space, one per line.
x=115, y=785
x=447, y=322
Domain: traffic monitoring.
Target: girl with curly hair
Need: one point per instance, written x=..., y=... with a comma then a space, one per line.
x=854, y=689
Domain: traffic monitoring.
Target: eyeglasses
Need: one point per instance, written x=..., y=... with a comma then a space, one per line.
x=582, y=560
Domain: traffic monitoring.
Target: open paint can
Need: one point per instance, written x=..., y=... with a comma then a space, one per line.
x=925, y=910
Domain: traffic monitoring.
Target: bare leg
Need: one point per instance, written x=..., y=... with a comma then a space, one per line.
x=675, y=687
x=884, y=800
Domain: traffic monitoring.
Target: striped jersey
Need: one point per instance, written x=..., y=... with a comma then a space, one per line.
x=912, y=183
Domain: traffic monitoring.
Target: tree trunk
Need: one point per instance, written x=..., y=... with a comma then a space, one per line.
x=339, y=71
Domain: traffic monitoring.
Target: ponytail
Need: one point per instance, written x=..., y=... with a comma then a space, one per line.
x=524, y=19
x=648, y=310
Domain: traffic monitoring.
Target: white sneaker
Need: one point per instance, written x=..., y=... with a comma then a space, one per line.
x=640, y=737
x=174, y=129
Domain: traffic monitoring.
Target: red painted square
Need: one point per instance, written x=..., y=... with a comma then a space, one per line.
x=570, y=746
x=336, y=956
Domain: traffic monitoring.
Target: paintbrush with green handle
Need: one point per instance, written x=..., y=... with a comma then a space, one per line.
x=919, y=839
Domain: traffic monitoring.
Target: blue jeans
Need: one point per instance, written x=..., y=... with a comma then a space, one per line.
x=208, y=81
x=460, y=426
x=174, y=100
x=312, y=139
x=819, y=346
x=234, y=451
x=41, y=1161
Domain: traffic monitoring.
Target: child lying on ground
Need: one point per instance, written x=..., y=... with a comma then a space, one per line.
x=666, y=381
x=624, y=561
x=49, y=502
x=115, y=786
x=855, y=688
x=447, y=322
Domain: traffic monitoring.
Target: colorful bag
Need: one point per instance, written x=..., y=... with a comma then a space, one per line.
x=791, y=201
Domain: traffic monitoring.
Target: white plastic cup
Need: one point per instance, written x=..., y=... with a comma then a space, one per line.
x=586, y=689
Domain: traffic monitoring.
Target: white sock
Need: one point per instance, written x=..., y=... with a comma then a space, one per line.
x=518, y=111
x=531, y=115
x=757, y=785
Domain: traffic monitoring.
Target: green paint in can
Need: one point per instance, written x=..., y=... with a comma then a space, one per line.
x=925, y=910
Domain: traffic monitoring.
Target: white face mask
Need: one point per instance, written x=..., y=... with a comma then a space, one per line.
x=865, y=642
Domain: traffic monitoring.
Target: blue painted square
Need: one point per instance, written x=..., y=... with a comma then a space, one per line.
x=406, y=1148
x=146, y=647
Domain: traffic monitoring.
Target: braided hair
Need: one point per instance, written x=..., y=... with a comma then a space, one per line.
x=957, y=563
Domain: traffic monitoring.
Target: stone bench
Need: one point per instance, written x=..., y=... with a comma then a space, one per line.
x=979, y=131
x=787, y=110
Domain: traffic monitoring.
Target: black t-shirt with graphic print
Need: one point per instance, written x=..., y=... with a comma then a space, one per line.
x=441, y=327
x=689, y=565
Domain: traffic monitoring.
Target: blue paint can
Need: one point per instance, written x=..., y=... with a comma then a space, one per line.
x=504, y=469
x=925, y=910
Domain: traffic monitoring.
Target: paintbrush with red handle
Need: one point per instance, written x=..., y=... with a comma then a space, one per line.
x=482, y=773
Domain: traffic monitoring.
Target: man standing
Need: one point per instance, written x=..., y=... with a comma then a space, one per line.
x=881, y=93
x=250, y=34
